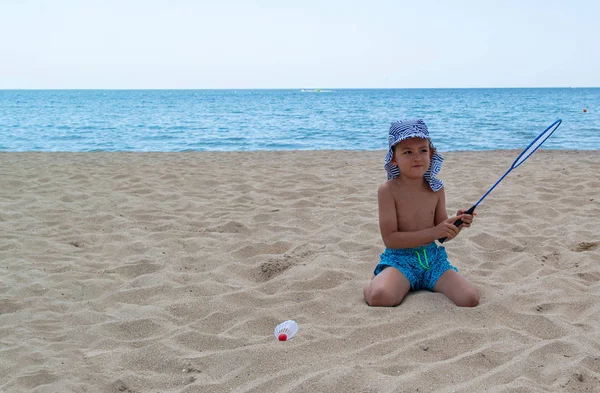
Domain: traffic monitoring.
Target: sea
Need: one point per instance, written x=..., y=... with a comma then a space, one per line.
x=292, y=119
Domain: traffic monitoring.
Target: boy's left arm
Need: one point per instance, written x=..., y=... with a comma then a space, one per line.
x=440, y=210
x=467, y=219
x=441, y=214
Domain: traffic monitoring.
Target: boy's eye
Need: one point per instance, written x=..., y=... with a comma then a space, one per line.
x=407, y=152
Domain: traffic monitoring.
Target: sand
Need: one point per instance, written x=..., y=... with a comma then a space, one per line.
x=167, y=272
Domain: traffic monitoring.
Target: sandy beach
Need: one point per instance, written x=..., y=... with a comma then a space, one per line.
x=167, y=272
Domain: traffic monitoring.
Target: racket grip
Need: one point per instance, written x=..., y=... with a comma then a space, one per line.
x=458, y=222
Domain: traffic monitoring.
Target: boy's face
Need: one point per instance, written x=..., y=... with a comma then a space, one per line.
x=412, y=157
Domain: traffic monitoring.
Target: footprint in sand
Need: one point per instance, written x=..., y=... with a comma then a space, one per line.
x=585, y=246
x=277, y=265
x=273, y=267
x=9, y=306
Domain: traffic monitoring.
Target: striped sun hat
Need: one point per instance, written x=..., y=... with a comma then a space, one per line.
x=406, y=129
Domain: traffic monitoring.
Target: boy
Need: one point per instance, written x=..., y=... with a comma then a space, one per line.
x=412, y=215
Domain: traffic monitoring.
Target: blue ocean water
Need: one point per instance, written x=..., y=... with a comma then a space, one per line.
x=233, y=120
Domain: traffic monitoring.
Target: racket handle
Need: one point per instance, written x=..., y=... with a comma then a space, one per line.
x=458, y=222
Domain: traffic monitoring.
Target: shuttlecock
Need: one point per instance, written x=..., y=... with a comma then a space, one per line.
x=286, y=330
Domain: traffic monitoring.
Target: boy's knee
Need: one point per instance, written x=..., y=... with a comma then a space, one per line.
x=470, y=299
x=381, y=297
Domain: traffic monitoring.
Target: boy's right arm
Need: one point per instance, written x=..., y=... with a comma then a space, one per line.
x=388, y=225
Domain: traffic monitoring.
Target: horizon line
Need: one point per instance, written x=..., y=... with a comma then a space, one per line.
x=303, y=88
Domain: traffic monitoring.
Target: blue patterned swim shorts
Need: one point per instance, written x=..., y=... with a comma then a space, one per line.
x=422, y=266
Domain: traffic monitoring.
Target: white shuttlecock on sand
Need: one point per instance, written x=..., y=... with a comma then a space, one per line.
x=286, y=330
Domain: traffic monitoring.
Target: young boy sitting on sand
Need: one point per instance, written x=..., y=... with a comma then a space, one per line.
x=412, y=215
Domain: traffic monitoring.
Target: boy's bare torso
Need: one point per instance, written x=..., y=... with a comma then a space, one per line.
x=415, y=208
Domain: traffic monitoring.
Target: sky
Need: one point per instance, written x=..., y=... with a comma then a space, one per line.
x=225, y=44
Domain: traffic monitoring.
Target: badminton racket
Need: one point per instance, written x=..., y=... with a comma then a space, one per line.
x=529, y=150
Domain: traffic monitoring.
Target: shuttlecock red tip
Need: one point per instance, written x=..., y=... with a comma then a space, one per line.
x=282, y=337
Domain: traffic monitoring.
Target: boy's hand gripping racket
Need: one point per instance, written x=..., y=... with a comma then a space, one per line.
x=529, y=150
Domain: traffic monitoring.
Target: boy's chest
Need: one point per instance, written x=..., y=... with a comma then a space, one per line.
x=416, y=210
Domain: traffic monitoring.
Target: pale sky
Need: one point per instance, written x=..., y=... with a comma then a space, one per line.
x=185, y=44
